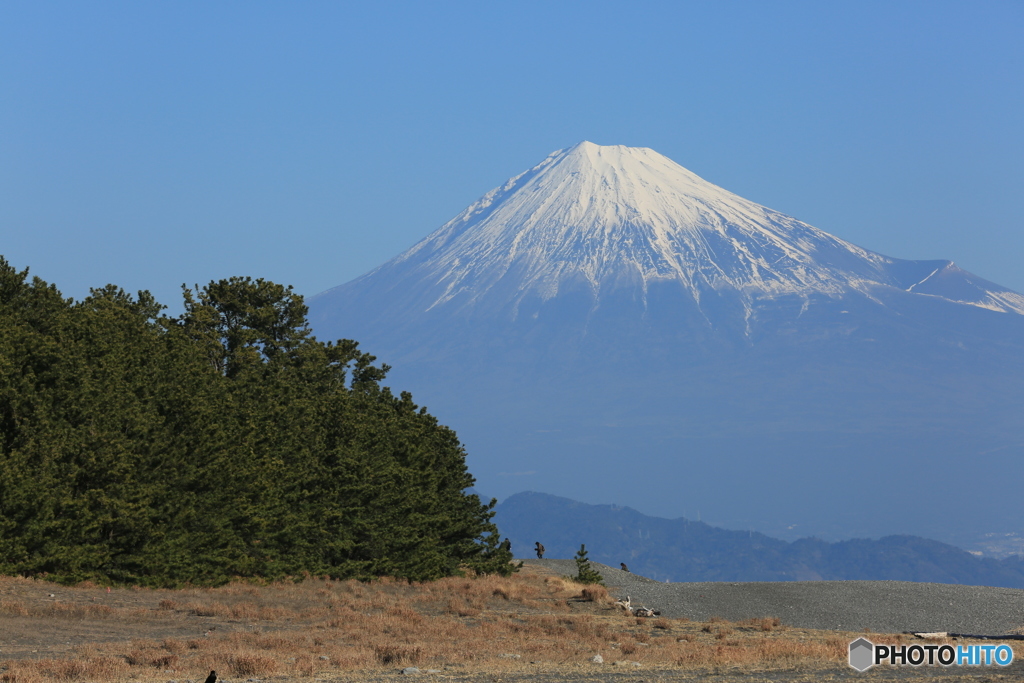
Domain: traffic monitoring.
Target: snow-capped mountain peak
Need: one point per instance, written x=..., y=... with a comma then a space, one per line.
x=598, y=212
x=609, y=308
x=605, y=217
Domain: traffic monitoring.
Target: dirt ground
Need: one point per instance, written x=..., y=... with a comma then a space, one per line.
x=289, y=624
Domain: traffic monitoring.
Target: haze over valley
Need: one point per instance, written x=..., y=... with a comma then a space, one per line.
x=609, y=327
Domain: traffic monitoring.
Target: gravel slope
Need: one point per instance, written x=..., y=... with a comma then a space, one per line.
x=881, y=606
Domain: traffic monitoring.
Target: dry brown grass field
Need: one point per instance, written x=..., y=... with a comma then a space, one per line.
x=533, y=626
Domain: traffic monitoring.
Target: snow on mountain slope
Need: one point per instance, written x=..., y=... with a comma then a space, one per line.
x=605, y=217
x=609, y=309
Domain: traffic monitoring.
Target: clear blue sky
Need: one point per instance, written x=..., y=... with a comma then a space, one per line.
x=154, y=143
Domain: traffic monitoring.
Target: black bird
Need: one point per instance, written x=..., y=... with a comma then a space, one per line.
x=624, y=567
x=212, y=678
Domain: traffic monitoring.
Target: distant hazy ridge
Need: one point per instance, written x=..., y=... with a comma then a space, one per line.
x=684, y=550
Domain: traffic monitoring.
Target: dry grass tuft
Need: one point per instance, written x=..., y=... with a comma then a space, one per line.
x=47, y=670
x=398, y=654
x=595, y=593
x=14, y=608
x=252, y=664
x=765, y=624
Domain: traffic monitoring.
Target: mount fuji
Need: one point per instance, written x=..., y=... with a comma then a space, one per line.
x=610, y=327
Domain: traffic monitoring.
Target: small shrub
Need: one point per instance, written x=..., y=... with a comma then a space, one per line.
x=20, y=676
x=595, y=593
x=584, y=572
x=135, y=658
x=14, y=608
x=762, y=624
x=89, y=669
x=557, y=584
x=252, y=665
x=164, y=661
x=215, y=609
x=395, y=654
x=175, y=647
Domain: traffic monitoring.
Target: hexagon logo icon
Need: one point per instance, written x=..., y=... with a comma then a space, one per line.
x=862, y=654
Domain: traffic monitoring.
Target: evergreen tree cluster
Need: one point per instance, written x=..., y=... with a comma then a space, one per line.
x=227, y=442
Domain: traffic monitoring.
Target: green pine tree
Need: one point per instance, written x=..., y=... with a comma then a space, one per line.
x=584, y=572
